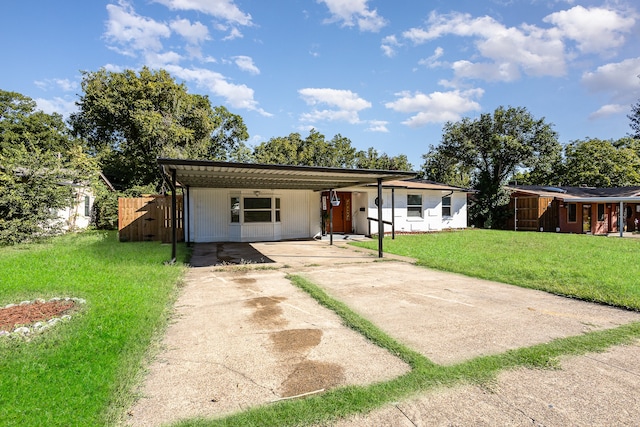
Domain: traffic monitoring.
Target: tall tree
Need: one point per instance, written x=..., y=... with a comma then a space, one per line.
x=370, y=159
x=492, y=148
x=129, y=119
x=39, y=163
x=635, y=120
x=602, y=163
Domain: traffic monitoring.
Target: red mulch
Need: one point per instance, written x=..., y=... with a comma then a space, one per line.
x=23, y=315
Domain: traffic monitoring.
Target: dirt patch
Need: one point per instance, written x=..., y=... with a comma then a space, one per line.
x=267, y=311
x=296, y=340
x=26, y=314
x=311, y=375
x=245, y=280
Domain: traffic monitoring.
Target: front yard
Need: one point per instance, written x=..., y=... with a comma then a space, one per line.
x=81, y=371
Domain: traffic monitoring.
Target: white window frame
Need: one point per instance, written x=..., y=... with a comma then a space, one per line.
x=414, y=208
x=446, y=207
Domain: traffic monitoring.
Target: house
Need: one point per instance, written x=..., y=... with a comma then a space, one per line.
x=586, y=210
x=240, y=202
x=408, y=206
x=79, y=215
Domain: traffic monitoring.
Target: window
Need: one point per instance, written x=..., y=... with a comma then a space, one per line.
x=87, y=206
x=277, y=209
x=600, y=212
x=572, y=212
x=446, y=206
x=235, y=209
x=257, y=209
x=414, y=205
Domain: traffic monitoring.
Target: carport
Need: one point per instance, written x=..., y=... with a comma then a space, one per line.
x=191, y=174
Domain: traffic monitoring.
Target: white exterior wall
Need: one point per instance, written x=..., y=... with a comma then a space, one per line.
x=210, y=216
x=73, y=217
x=431, y=220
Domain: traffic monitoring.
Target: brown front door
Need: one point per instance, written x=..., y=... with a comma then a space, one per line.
x=341, y=213
x=602, y=226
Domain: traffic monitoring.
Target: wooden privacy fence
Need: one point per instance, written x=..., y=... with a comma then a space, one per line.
x=533, y=213
x=148, y=219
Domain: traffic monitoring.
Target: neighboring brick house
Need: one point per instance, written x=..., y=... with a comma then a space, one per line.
x=585, y=210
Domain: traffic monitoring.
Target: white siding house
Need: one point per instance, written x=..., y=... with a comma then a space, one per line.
x=237, y=202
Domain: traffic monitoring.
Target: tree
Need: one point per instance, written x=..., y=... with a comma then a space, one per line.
x=370, y=159
x=130, y=119
x=39, y=163
x=635, y=120
x=491, y=149
x=602, y=163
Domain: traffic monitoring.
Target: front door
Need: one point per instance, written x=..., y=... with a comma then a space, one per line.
x=341, y=213
x=586, y=218
x=602, y=226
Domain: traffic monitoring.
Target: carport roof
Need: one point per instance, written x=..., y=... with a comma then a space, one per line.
x=213, y=174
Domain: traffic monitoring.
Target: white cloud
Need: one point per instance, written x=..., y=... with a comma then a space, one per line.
x=389, y=44
x=346, y=105
x=509, y=50
x=620, y=79
x=58, y=105
x=609, y=110
x=128, y=32
x=159, y=60
x=432, y=61
x=595, y=30
x=378, y=126
x=436, y=107
x=233, y=34
x=64, y=84
x=245, y=63
x=220, y=9
x=194, y=33
x=354, y=12
x=238, y=96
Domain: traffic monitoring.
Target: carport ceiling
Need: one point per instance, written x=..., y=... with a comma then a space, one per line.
x=211, y=174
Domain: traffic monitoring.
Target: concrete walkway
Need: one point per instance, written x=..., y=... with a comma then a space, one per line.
x=244, y=336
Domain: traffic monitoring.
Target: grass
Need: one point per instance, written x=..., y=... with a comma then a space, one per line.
x=424, y=374
x=591, y=268
x=82, y=372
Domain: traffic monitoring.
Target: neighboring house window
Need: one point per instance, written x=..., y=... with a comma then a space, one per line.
x=600, y=212
x=235, y=209
x=572, y=212
x=87, y=206
x=257, y=209
x=414, y=205
x=446, y=206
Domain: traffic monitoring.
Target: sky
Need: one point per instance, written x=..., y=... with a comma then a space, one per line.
x=385, y=74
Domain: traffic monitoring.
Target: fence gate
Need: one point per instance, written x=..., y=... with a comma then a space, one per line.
x=148, y=219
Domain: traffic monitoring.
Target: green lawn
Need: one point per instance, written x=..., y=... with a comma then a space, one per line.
x=81, y=372
x=592, y=268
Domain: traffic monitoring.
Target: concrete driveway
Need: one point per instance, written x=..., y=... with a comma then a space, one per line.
x=244, y=336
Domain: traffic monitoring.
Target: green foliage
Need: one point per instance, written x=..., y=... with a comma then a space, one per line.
x=39, y=165
x=370, y=159
x=314, y=150
x=82, y=372
x=130, y=119
x=489, y=150
x=635, y=120
x=601, y=163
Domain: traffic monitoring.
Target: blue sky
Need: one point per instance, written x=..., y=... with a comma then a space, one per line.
x=385, y=74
